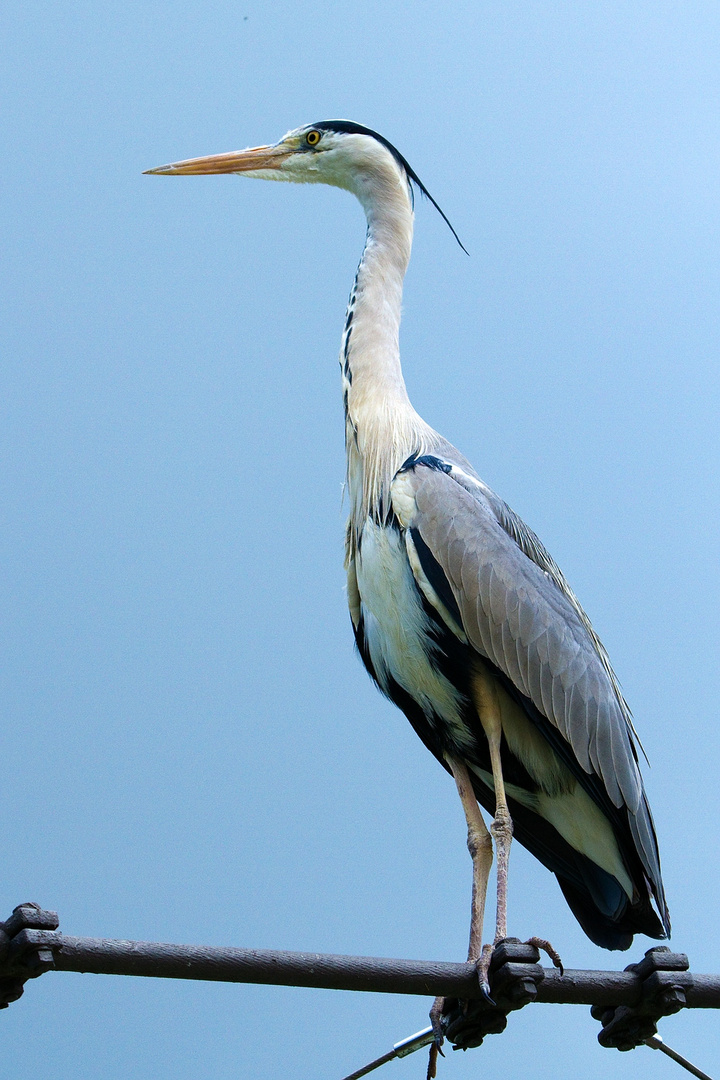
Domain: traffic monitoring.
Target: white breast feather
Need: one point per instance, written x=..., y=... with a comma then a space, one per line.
x=397, y=628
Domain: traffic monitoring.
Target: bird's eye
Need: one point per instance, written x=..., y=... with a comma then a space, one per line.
x=312, y=138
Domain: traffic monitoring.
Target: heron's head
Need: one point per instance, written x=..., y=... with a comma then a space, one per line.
x=335, y=152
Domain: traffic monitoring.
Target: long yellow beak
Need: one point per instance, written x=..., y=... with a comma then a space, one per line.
x=237, y=161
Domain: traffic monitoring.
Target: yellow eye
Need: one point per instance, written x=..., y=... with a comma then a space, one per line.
x=312, y=138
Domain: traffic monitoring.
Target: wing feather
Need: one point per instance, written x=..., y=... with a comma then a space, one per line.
x=523, y=665
x=518, y=612
x=510, y=657
x=515, y=604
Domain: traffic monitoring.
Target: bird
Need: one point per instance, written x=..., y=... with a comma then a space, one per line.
x=460, y=615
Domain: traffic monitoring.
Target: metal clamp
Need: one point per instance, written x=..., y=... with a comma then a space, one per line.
x=665, y=978
x=27, y=940
x=514, y=976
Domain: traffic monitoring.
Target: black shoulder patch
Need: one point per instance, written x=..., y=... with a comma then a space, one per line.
x=428, y=460
x=435, y=463
x=408, y=464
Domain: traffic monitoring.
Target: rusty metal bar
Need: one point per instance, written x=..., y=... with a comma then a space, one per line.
x=428, y=978
x=31, y=943
x=627, y=1003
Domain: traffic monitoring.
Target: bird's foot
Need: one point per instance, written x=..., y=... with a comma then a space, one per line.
x=513, y=971
x=482, y=968
x=436, y=1013
x=466, y=1023
x=544, y=945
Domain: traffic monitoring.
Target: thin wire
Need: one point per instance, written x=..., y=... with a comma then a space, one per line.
x=372, y=1066
x=422, y=1038
x=655, y=1042
x=400, y=1049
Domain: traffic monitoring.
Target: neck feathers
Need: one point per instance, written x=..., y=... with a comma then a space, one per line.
x=381, y=427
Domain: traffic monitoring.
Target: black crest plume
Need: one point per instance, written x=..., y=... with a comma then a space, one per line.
x=348, y=127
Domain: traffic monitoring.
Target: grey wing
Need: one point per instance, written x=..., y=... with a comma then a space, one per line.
x=516, y=613
x=536, y=551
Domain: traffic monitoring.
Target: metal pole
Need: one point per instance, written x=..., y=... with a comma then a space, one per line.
x=371, y=974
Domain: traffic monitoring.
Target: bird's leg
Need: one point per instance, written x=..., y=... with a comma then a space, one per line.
x=479, y=844
x=502, y=833
x=488, y=707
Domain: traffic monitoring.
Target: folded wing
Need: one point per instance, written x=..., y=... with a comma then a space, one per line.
x=495, y=585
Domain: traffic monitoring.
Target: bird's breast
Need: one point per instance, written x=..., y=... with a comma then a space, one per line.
x=398, y=632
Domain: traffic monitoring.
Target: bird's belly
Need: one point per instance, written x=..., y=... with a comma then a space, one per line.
x=399, y=633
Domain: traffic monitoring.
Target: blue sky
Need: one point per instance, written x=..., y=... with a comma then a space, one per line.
x=192, y=751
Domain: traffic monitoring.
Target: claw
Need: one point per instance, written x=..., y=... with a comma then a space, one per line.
x=483, y=969
x=546, y=947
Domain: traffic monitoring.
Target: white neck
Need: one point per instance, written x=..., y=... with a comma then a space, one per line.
x=382, y=428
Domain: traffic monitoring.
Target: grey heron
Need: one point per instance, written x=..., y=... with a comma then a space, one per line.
x=460, y=614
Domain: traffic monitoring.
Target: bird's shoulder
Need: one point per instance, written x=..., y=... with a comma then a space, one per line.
x=422, y=477
x=443, y=484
